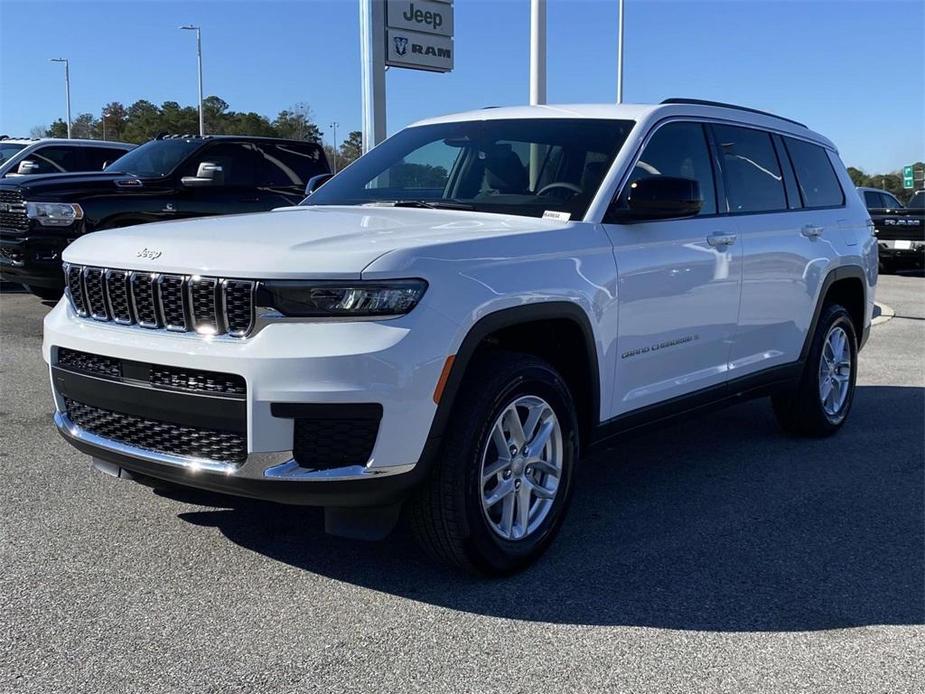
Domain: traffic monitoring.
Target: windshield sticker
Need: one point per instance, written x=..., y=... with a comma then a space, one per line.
x=556, y=215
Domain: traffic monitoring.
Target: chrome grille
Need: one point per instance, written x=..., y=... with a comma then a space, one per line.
x=13, y=210
x=75, y=289
x=117, y=290
x=143, y=286
x=203, y=305
x=96, y=293
x=179, y=303
x=173, y=308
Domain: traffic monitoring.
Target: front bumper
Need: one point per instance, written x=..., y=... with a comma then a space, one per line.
x=33, y=260
x=395, y=364
x=899, y=252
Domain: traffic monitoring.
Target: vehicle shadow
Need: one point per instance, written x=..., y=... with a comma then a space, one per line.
x=717, y=523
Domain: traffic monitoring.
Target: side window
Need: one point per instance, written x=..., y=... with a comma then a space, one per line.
x=679, y=149
x=872, y=200
x=55, y=159
x=818, y=183
x=237, y=159
x=288, y=164
x=891, y=202
x=750, y=170
x=95, y=158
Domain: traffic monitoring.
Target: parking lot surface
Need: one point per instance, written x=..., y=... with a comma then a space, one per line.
x=713, y=554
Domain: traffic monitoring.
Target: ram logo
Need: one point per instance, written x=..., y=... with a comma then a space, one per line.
x=401, y=44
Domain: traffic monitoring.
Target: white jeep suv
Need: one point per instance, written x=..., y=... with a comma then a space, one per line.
x=448, y=323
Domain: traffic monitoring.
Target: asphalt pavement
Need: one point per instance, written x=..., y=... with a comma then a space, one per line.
x=712, y=555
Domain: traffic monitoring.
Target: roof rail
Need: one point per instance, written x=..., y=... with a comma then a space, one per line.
x=702, y=102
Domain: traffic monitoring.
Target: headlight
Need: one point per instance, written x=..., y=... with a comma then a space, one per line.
x=54, y=214
x=334, y=298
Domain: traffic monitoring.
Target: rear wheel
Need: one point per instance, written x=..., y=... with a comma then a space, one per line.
x=499, y=491
x=820, y=403
x=46, y=293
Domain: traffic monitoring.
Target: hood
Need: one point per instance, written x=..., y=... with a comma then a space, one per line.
x=56, y=187
x=292, y=242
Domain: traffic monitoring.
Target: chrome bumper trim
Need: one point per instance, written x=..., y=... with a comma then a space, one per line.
x=272, y=466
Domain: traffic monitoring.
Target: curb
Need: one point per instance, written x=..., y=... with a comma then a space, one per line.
x=882, y=313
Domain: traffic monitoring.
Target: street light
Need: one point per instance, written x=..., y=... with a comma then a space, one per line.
x=67, y=89
x=190, y=27
x=334, y=125
x=620, y=53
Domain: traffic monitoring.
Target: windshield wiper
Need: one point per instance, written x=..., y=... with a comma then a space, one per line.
x=434, y=204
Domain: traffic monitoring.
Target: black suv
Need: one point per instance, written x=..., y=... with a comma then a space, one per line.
x=172, y=177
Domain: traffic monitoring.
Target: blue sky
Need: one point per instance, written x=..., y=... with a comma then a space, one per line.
x=851, y=69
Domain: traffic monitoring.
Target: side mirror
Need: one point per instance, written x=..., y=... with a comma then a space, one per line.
x=315, y=182
x=207, y=174
x=658, y=197
x=27, y=167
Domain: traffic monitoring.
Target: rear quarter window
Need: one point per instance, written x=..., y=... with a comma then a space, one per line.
x=816, y=177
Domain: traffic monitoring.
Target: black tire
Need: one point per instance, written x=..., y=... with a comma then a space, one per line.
x=800, y=410
x=46, y=293
x=446, y=513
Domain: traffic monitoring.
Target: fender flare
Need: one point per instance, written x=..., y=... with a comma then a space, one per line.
x=506, y=318
x=839, y=273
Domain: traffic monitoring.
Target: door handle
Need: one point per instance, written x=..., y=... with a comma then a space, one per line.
x=811, y=231
x=720, y=238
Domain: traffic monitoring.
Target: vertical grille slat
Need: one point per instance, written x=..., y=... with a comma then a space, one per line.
x=75, y=291
x=173, y=306
x=144, y=298
x=203, y=305
x=179, y=303
x=238, y=306
x=117, y=291
x=96, y=293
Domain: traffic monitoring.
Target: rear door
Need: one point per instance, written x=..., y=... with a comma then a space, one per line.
x=679, y=281
x=789, y=227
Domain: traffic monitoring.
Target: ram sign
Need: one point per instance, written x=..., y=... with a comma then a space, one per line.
x=421, y=51
x=419, y=35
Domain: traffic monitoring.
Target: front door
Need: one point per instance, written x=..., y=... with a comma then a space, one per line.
x=679, y=283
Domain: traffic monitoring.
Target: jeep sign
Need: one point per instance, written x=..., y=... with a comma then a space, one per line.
x=419, y=34
x=421, y=15
x=419, y=51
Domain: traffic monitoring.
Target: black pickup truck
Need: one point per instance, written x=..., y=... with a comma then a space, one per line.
x=900, y=230
x=171, y=177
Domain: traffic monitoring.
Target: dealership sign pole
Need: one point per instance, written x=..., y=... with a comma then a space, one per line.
x=412, y=34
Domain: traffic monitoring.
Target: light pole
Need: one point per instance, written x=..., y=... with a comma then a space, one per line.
x=620, y=53
x=334, y=125
x=190, y=27
x=67, y=89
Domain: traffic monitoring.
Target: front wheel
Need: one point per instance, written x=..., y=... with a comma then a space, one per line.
x=820, y=403
x=499, y=491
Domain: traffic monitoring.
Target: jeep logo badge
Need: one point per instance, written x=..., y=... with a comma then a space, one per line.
x=148, y=254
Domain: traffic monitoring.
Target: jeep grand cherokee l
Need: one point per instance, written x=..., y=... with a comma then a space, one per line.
x=164, y=179
x=451, y=321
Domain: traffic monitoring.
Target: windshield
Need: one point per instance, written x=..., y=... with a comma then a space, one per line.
x=154, y=158
x=8, y=150
x=918, y=201
x=520, y=166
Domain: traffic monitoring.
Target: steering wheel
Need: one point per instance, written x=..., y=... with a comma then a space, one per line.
x=559, y=184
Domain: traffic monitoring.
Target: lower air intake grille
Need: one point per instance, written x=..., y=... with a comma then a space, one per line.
x=328, y=443
x=161, y=437
x=197, y=381
x=89, y=363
